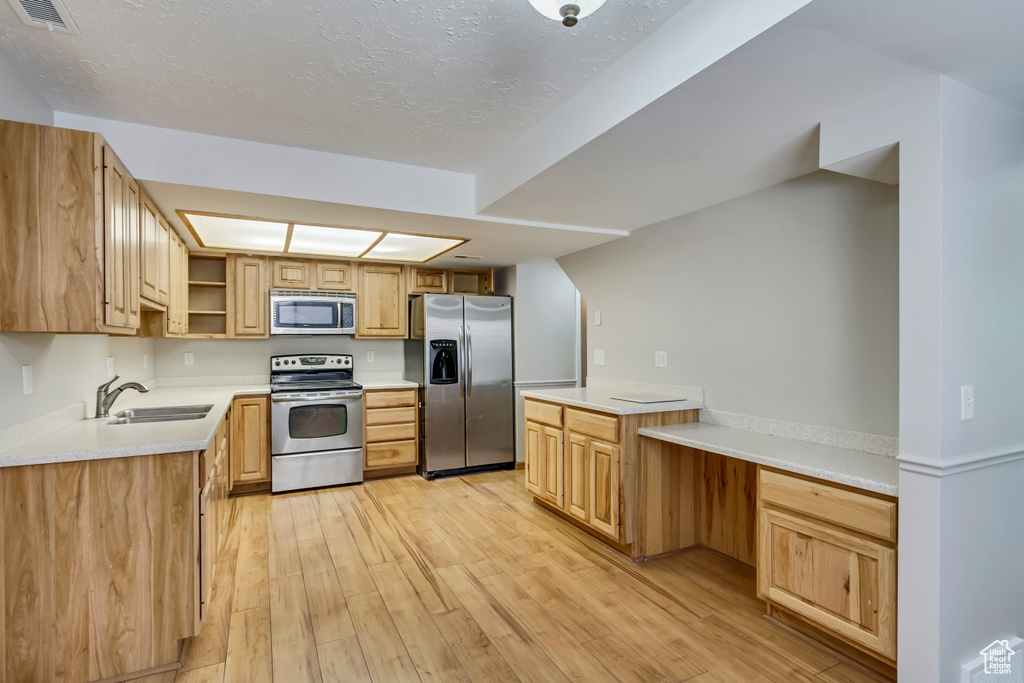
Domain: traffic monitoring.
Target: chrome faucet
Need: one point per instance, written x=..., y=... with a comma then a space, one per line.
x=105, y=399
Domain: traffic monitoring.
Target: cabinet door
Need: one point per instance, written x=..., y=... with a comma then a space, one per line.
x=836, y=579
x=174, y=289
x=207, y=555
x=121, y=243
x=428, y=280
x=291, y=274
x=183, y=300
x=534, y=455
x=554, y=480
x=603, y=487
x=250, y=441
x=154, y=257
x=576, y=477
x=334, y=276
x=250, y=294
x=381, y=306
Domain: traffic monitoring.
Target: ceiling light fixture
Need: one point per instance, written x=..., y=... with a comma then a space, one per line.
x=569, y=13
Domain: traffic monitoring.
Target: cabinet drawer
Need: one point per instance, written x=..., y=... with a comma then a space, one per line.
x=390, y=454
x=397, y=432
x=544, y=412
x=602, y=427
x=390, y=416
x=856, y=511
x=389, y=399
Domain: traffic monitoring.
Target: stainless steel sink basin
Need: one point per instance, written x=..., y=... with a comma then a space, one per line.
x=162, y=414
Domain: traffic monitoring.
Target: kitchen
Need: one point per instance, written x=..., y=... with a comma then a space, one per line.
x=639, y=285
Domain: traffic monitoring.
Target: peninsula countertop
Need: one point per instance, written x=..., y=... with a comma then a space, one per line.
x=603, y=401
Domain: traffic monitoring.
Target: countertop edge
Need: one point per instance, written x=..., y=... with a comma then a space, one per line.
x=626, y=407
x=834, y=476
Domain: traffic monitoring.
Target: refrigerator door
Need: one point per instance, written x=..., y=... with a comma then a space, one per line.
x=489, y=396
x=444, y=411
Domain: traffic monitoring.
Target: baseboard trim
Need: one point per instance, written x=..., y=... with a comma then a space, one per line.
x=934, y=467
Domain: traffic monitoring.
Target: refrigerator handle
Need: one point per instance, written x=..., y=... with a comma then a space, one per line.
x=469, y=363
x=460, y=353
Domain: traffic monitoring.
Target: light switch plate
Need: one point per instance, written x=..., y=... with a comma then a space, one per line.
x=110, y=366
x=597, y=318
x=661, y=359
x=369, y=356
x=145, y=361
x=598, y=356
x=190, y=358
x=26, y=379
x=966, y=402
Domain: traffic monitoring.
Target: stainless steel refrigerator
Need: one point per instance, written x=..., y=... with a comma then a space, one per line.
x=460, y=353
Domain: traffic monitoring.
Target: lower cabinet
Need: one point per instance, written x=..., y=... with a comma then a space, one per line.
x=250, y=443
x=213, y=513
x=828, y=555
x=576, y=467
x=390, y=431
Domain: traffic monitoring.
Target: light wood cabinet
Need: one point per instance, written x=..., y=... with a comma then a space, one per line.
x=291, y=274
x=155, y=254
x=69, y=233
x=533, y=454
x=381, y=304
x=250, y=443
x=334, y=276
x=209, y=306
x=464, y=281
x=250, y=296
x=177, y=295
x=121, y=249
x=428, y=280
x=603, y=475
x=213, y=514
x=553, y=461
x=390, y=431
x=818, y=560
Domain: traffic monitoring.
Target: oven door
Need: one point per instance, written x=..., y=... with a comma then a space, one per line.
x=304, y=422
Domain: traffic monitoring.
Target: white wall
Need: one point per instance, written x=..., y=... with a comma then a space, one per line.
x=251, y=357
x=781, y=304
x=545, y=330
x=18, y=102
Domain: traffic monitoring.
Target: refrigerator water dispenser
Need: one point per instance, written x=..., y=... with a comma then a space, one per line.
x=443, y=368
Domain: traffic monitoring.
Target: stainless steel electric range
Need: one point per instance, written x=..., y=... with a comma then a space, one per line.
x=316, y=422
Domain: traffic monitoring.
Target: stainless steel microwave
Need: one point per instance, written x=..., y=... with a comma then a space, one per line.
x=294, y=311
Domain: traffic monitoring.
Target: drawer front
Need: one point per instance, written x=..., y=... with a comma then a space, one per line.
x=866, y=514
x=389, y=399
x=842, y=582
x=398, y=432
x=390, y=454
x=390, y=416
x=545, y=413
x=602, y=427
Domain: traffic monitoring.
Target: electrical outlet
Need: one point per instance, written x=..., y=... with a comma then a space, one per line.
x=26, y=379
x=190, y=358
x=597, y=318
x=145, y=361
x=967, y=402
x=110, y=366
x=661, y=359
x=369, y=356
x=598, y=356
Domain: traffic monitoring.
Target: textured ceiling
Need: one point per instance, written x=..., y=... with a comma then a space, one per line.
x=437, y=83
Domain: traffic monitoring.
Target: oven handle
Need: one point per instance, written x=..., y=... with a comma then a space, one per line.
x=318, y=399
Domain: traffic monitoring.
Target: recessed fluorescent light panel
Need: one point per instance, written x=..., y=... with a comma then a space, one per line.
x=283, y=237
x=243, y=234
x=398, y=246
x=327, y=241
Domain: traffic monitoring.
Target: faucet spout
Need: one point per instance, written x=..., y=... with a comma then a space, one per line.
x=105, y=399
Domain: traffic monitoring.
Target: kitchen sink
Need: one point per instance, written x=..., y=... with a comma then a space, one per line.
x=162, y=414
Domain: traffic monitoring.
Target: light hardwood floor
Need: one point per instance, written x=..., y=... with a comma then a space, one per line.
x=466, y=579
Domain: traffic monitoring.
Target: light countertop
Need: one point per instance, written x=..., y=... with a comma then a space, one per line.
x=97, y=439
x=867, y=471
x=601, y=400
x=372, y=384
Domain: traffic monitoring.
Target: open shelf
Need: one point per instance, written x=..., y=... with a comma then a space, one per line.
x=207, y=295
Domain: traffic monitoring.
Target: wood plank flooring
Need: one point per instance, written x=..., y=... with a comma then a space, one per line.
x=466, y=580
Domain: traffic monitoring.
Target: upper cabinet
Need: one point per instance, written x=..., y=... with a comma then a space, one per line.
x=69, y=235
x=381, y=308
x=334, y=276
x=428, y=280
x=155, y=256
x=250, y=296
x=291, y=274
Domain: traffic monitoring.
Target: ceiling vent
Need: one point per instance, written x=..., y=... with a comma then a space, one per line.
x=48, y=14
x=468, y=258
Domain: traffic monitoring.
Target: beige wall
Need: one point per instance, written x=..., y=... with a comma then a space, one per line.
x=783, y=303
